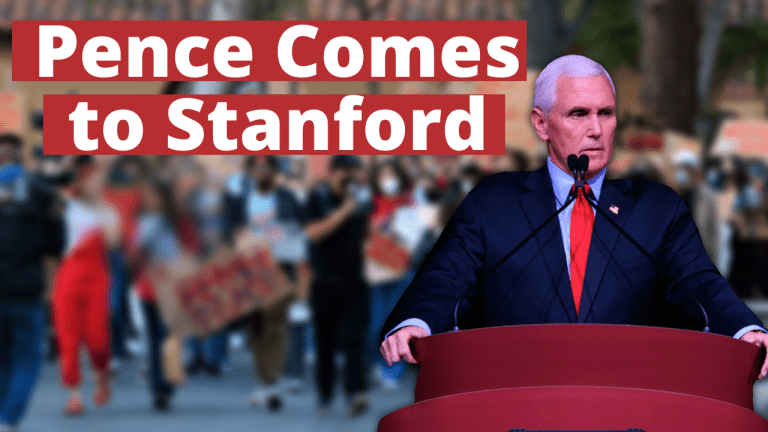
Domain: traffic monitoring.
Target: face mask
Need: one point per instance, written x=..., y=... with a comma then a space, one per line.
x=9, y=173
x=13, y=182
x=301, y=194
x=715, y=179
x=361, y=193
x=420, y=194
x=466, y=186
x=390, y=186
x=753, y=198
x=682, y=177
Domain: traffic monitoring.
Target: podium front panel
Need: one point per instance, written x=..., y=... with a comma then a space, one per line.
x=651, y=358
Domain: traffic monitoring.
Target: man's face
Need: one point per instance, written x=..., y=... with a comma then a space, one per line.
x=8, y=153
x=341, y=178
x=582, y=121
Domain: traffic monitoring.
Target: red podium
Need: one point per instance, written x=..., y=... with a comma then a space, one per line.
x=582, y=377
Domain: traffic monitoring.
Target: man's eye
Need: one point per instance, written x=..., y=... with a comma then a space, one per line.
x=606, y=112
x=578, y=114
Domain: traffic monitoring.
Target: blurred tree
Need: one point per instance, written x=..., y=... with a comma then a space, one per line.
x=743, y=49
x=671, y=33
x=611, y=35
x=714, y=25
x=552, y=27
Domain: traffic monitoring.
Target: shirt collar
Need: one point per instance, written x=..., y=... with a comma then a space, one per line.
x=562, y=182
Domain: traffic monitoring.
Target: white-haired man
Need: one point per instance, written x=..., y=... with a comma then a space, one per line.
x=579, y=270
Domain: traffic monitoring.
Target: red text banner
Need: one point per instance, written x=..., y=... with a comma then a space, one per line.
x=274, y=124
x=269, y=50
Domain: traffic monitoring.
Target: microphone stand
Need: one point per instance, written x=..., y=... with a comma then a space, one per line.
x=506, y=257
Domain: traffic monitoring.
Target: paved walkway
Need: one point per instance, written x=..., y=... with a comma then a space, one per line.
x=204, y=404
x=207, y=404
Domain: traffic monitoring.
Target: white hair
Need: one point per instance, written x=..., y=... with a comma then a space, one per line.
x=576, y=66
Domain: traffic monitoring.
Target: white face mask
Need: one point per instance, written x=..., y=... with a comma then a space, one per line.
x=466, y=186
x=682, y=177
x=389, y=186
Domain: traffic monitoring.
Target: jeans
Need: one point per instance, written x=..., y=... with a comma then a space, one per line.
x=22, y=329
x=212, y=349
x=156, y=332
x=118, y=297
x=384, y=297
x=296, y=364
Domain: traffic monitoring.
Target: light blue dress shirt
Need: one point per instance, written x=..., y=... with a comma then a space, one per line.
x=562, y=183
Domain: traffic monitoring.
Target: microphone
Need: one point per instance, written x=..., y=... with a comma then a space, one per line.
x=583, y=165
x=572, y=161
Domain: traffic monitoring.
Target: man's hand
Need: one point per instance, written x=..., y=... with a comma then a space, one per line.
x=760, y=339
x=396, y=347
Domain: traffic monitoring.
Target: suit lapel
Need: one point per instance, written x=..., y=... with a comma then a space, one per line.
x=538, y=204
x=604, y=237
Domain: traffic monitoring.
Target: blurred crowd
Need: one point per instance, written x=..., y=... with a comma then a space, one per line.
x=349, y=244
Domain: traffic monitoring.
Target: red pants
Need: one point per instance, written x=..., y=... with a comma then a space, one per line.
x=81, y=309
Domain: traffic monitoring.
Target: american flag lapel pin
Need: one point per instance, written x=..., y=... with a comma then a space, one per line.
x=614, y=209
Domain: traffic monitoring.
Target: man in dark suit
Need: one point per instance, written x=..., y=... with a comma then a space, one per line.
x=580, y=270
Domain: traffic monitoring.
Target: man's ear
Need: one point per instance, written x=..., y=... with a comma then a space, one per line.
x=539, y=120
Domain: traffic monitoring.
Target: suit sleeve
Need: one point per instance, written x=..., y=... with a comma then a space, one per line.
x=688, y=261
x=452, y=266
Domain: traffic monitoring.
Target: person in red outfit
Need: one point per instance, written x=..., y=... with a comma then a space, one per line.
x=81, y=285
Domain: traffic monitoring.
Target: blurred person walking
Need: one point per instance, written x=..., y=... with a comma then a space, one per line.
x=123, y=192
x=294, y=259
x=158, y=246
x=750, y=222
x=31, y=228
x=257, y=203
x=337, y=227
x=81, y=286
x=713, y=213
x=391, y=193
x=206, y=203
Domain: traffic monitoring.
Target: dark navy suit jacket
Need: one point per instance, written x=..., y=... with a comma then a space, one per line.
x=621, y=285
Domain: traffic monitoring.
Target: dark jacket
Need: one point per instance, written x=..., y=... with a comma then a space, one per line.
x=235, y=212
x=621, y=285
x=29, y=231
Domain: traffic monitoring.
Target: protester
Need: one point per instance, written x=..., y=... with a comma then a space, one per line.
x=158, y=246
x=294, y=261
x=336, y=228
x=391, y=194
x=205, y=205
x=81, y=287
x=258, y=204
x=31, y=228
x=750, y=221
x=123, y=192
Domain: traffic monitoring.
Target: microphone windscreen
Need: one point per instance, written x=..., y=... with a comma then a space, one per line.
x=573, y=162
x=584, y=162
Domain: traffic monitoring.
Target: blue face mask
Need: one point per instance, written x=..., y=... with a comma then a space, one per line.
x=715, y=179
x=752, y=197
x=13, y=181
x=10, y=173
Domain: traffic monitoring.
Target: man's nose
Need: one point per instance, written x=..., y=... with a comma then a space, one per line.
x=595, y=128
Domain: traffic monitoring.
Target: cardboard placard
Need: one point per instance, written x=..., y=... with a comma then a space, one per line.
x=202, y=298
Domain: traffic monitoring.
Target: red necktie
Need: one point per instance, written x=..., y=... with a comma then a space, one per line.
x=582, y=221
